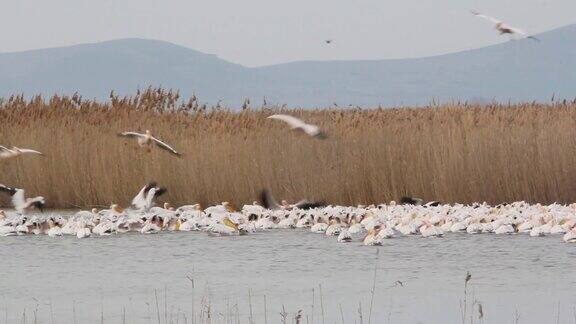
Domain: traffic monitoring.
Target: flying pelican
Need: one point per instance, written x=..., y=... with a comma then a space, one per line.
x=298, y=124
x=411, y=201
x=6, y=153
x=19, y=201
x=503, y=27
x=269, y=202
x=147, y=140
x=145, y=198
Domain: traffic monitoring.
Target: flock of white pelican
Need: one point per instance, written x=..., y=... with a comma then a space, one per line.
x=370, y=225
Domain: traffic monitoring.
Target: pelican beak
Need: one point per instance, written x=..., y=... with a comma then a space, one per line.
x=229, y=223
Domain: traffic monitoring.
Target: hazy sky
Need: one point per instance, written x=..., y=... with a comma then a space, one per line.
x=262, y=32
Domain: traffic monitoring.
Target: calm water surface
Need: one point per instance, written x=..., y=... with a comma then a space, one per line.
x=120, y=277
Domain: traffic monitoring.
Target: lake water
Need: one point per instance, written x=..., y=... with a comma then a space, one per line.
x=120, y=277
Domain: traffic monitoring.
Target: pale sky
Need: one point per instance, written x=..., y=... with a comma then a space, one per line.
x=263, y=32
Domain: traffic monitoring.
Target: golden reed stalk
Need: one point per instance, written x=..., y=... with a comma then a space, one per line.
x=452, y=153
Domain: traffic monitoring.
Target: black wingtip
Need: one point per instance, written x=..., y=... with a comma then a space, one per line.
x=39, y=205
x=8, y=190
x=410, y=201
x=150, y=185
x=322, y=136
x=312, y=205
x=265, y=198
x=161, y=191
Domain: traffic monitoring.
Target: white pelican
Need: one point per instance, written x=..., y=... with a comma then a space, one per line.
x=570, y=237
x=459, y=227
x=22, y=226
x=189, y=208
x=224, y=207
x=505, y=229
x=6, y=227
x=148, y=141
x=537, y=231
x=474, y=228
x=54, y=229
x=289, y=221
x=385, y=233
x=6, y=153
x=319, y=227
x=103, y=228
x=20, y=203
x=504, y=28
x=334, y=228
x=558, y=229
x=82, y=230
x=223, y=227
x=34, y=226
x=355, y=227
x=297, y=124
x=146, y=197
x=344, y=236
x=269, y=202
x=372, y=239
x=429, y=230
x=152, y=225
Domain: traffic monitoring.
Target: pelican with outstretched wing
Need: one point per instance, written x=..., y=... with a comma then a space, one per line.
x=503, y=27
x=20, y=202
x=268, y=201
x=146, y=140
x=298, y=124
x=146, y=197
x=8, y=153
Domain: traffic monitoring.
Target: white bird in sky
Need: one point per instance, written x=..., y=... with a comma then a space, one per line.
x=6, y=153
x=503, y=27
x=147, y=140
x=298, y=124
x=19, y=201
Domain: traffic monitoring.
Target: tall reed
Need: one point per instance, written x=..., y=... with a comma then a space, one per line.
x=452, y=153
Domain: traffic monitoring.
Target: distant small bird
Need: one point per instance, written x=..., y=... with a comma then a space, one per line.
x=147, y=140
x=398, y=283
x=298, y=124
x=6, y=153
x=328, y=41
x=504, y=28
x=20, y=203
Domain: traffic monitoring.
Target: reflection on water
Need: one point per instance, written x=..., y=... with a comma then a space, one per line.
x=122, y=276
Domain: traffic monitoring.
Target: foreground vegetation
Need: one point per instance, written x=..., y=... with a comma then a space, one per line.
x=452, y=153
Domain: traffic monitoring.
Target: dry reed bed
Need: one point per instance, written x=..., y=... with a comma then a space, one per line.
x=452, y=153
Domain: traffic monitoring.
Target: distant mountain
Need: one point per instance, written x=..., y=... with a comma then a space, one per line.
x=522, y=70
